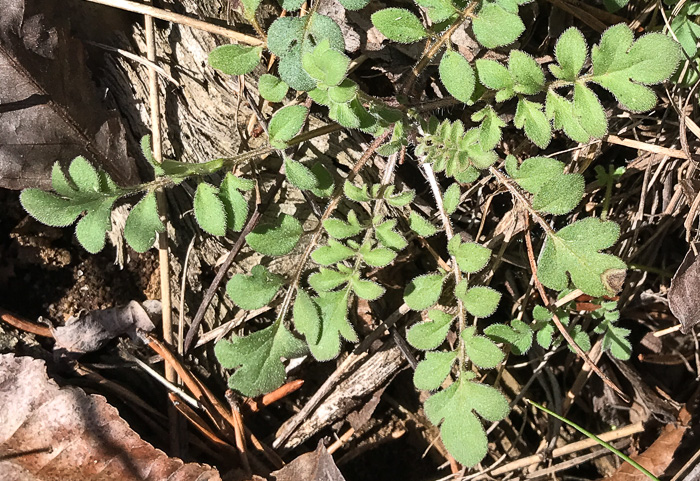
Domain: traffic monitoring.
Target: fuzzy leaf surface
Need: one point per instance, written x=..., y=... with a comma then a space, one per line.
x=334, y=325
x=481, y=350
x=428, y=335
x=235, y=59
x=143, y=224
x=272, y=88
x=253, y=291
x=307, y=317
x=423, y=291
x=518, y=335
x=277, y=238
x=286, y=123
x=235, y=205
x=457, y=76
x=209, y=210
x=433, y=370
x=495, y=27
x=399, y=24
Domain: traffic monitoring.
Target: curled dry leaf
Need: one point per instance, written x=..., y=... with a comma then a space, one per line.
x=315, y=466
x=683, y=294
x=89, y=332
x=53, y=433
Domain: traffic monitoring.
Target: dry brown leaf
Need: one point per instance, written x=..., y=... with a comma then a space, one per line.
x=50, y=433
x=683, y=298
x=655, y=459
x=315, y=466
x=90, y=331
x=49, y=107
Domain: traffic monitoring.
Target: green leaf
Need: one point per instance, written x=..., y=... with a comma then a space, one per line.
x=589, y=111
x=235, y=59
x=388, y=237
x=518, y=336
x=527, y=74
x=432, y=371
x=490, y=130
x=615, y=341
x=327, y=279
x=299, y=175
x=480, y=301
x=334, y=324
x=272, y=88
x=326, y=65
x=257, y=359
x=420, y=225
x=496, y=77
x=235, y=205
x=209, y=210
x=461, y=431
x=561, y=195
x=92, y=228
x=574, y=250
x=399, y=24
x=430, y=334
x=358, y=194
x=277, y=238
x=451, y=198
x=324, y=181
x=344, y=115
x=60, y=183
x=457, y=76
x=286, y=123
x=354, y=4
x=143, y=223
x=365, y=289
x=379, y=257
x=438, y=10
x=339, y=229
x=423, y=291
x=402, y=199
x=624, y=66
x=49, y=208
x=571, y=52
x=495, y=27
x=84, y=175
x=471, y=257
x=307, y=317
x=291, y=5
x=249, y=7
x=253, y=291
x=344, y=92
x=482, y=351
x=561, y=112
x=332, y=253
x=529, y=116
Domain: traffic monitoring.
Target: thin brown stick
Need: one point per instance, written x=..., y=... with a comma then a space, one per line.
x=197, y=421
x=279, y=393
x=180, y=19
x=545, y=300
x=24, y=325
x=635, y=144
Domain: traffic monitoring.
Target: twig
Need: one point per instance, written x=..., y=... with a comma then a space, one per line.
x=279, y=393
x=25, y=325
x=656, y=149
x=341, y=440
x=199, y=423
x=136, y=58
x=180, y=19
x=223, y=269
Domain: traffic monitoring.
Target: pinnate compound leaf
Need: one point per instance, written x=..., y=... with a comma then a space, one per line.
x=432, y=371
x=209, y=210
x=495, y=27
x=286, y=123
x=420, y=225
x=277, y=238
x=480, y=301
x=339, y=229
x=481, y=350
x=571, y=52
x=334, y=324
x=272, y=88
x=253, y=291
x=575, y=250
x=457, y=76
x=428, y=335
x=235, y=59
x=235, y=205
x=399, y=24
x=257, y=359
x=332, y=253
x=518, y=336
x=461, y=431
x=423, y=291
x=529, y=116
x=307, y=317
x=615, y=341
x=624, y=66
x=327, y=279
x=143, y=224
x=388, y=237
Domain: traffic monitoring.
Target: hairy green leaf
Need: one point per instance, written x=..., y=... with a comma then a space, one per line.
x=325, y=64
x=209, y=209
x=365, y=289
x=589, y=111
x=420, y=225
x=399, y=24
x=571, y=52
x=92, y=228
x=332, y=253
x=235, y=59
x=143, y=224
x=342, y=230
x=482, y=351
x=518, y=335
x=495, y=27
x=276, y=238
x=379, y=257
x=471, y=257
x=272, y=88
x=451, y=198
x=235, y=205
x=575, y=250
x=457, y=76
x=257, y=359
x=527, y=74
x=334, y=324
x=286, y=123
x=388, y=237
x=490, y=130
x=423, y=291
x=253, y=291
x=307, y=317
x=430, y=334
x=327, y=279
x=438, y=10
x=432, y=371
x=49, y=208
x=354, y=4
x=529, y=116
x=480, y=301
